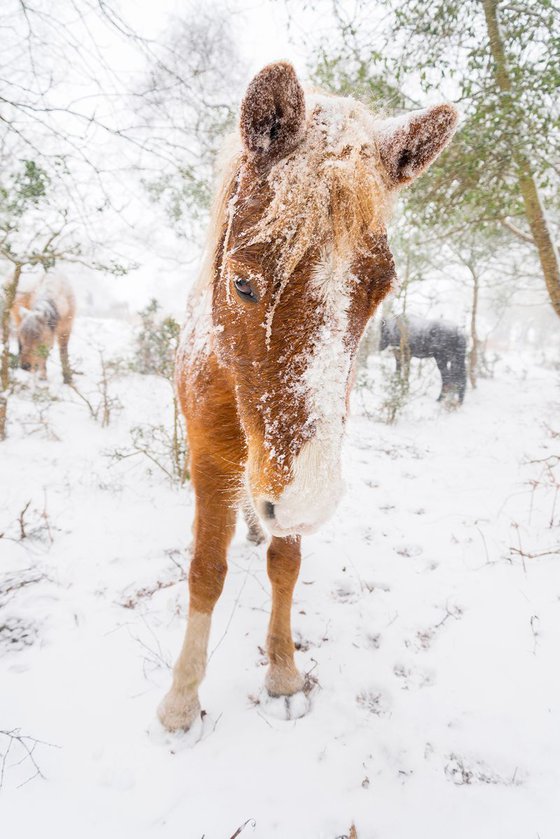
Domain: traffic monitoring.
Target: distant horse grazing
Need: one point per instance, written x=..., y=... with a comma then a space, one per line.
x=431, y=339
x=41, y=315
x=297, y=263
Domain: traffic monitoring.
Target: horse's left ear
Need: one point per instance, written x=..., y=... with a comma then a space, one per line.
x=409, y=144
x=273, y=113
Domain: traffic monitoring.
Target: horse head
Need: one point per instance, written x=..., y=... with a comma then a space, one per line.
x=302, y=263
x=35, y=339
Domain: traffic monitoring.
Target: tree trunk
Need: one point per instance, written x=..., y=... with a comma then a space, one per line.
x=548, y=253
x=404, y=344
x=473, y=355
x=9, y=295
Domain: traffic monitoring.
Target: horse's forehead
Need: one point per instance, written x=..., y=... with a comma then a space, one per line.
x=302, y=227
x=339, y=111
x=31, y=327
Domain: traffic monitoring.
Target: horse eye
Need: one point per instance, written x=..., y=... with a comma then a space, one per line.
x=244, y=290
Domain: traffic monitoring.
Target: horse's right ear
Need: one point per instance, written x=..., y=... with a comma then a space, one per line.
x=411, y=143
x=273, y=113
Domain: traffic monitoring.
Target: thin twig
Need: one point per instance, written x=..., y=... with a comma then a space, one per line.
x=21, y=520
x=240, y=829
x=28, y=744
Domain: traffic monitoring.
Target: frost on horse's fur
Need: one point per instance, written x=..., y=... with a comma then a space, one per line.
x=297, y=262
x=421, y=140
x=272, y=113
x=316, y=482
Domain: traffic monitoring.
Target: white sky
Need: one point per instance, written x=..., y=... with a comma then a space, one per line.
x=262, y=25
x=265, y=32
x=263, y=28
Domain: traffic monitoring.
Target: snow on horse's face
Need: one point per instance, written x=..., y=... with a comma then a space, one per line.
x=303, y=263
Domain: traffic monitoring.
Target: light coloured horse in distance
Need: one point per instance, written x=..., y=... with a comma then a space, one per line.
x=297, y=262
x=41, y=315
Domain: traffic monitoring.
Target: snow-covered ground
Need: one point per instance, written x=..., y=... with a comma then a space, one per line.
x=434, y=642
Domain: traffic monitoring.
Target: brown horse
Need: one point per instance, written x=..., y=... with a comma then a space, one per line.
x=41, y=315
x=297, y=263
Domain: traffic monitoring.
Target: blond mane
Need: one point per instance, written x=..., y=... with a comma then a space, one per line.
x=229, y=162
x=328, y=192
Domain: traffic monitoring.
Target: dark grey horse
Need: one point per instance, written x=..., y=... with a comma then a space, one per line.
x=431, y=339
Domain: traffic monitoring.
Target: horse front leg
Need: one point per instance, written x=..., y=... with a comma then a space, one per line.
x=458, y=373
x=398, y=362
x=283, y=563
x=214, y=528
x=443, y=366
x=63, y=338
x=255, y=533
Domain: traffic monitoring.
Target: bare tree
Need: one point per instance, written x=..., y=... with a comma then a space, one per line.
x=186, y=104
x=35, y=230
x=79, y=126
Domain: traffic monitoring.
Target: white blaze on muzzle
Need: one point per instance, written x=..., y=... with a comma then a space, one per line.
x=312, y=495
x=316, y=483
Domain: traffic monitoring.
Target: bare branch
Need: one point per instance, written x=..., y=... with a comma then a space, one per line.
x=524, y=237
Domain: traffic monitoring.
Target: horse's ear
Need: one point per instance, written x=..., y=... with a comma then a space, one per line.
x=409, y=144
x=273, y=113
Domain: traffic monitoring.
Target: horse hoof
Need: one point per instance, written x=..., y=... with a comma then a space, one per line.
x=177, y=711
x=256, y=536
x=283, y=683
x=285, y=707
x=286, y=694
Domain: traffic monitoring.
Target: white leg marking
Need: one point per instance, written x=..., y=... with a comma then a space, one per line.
x=181, y=706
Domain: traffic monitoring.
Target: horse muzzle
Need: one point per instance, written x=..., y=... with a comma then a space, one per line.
x=306, y=502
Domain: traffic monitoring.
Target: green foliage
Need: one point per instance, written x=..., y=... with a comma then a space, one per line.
x=32, y=217
x=184, y=196
x=164, y=448
x=186, y=191
x=23, y=187
x=28, y=184
x=396, y=393
x=20, y=190
x=117, y=269
x=36, y=223
x=156, y=342
x=477, y=179
x=443, y=46
x=365, y=79
x=155, y=348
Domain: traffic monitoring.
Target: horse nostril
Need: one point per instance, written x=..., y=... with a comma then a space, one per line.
x=268, y=507
x=25, y=365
